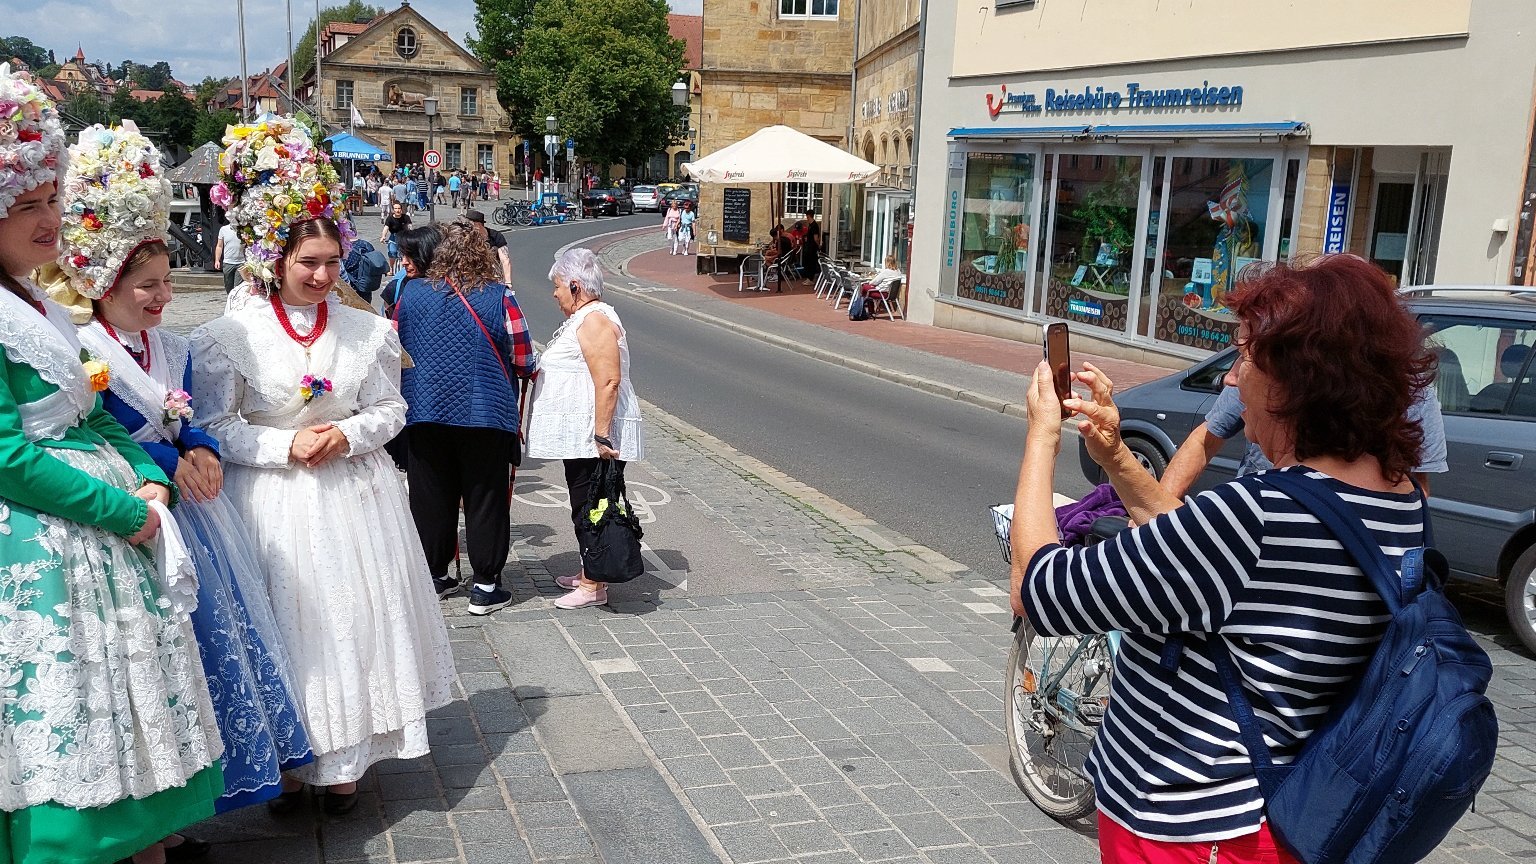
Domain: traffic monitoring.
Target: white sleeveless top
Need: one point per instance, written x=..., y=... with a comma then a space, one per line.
x=563, y=408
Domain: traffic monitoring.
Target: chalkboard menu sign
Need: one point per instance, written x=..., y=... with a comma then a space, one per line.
x=738, y=215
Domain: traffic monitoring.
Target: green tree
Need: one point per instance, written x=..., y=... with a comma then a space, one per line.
x=124, y=107
x=176, y=118
x=153, y=77
x=210, y=126
x=86, y=107
x=22, y=49
x=209, y=89
x=304, y=52
x=48, y=71
x=603, y=68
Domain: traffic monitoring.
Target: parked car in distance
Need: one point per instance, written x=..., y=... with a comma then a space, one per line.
x=1484, y=507
x=646, y=198
x=685, y=192
x=611, y=202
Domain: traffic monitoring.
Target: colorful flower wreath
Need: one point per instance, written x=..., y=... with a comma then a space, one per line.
x=32, y=139
x=274, y=177
x=115, y=199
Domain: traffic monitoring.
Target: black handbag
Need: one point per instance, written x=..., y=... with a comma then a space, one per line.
x=612, y=551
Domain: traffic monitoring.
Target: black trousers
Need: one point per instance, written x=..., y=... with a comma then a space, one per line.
x=579, y=474
x=452, y=463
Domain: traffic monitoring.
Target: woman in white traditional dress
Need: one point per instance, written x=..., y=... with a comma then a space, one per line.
x=302, y=392
x=113, y=275
x=107, y=733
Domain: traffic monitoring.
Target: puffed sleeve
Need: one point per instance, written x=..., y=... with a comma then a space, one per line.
x=192, y=437
x=30, y=477
x=218, y=391
x=381, y=409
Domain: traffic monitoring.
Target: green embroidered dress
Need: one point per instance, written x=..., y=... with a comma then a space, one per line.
x=107, y=738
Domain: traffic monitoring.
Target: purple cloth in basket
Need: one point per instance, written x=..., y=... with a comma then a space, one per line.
x=1075, y=521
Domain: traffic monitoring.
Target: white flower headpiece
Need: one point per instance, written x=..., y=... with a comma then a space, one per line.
x=116, y=199
x=32, y=139
x=274, y=177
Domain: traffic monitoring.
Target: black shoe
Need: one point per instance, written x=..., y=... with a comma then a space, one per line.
x=446, y=586
x=189, y=849
x=340, y=804
x=486, y=602
x=286, y=802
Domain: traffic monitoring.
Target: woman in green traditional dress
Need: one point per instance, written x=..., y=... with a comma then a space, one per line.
x=107, y=733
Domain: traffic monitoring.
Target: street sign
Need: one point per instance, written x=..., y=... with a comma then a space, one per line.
x=432, y=159
x=570, y=143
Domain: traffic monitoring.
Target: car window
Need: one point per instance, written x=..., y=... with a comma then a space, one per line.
x=1208, y=379
x=1485, y=365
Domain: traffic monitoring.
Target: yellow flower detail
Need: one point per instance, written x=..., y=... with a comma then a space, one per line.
x=100, y=375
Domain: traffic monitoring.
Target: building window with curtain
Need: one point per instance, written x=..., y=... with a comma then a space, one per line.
x=485, y=156
x=453, y=155
x=469, y=101
x=343, y=94
x=807, y=8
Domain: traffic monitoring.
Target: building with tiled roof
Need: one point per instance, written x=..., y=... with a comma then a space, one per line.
x=689, y=29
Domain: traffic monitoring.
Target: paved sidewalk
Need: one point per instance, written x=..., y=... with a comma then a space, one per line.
x=982, y=370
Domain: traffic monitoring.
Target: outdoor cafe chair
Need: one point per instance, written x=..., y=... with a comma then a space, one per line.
x=752, y=268
x=885, y=296
x=847, y=286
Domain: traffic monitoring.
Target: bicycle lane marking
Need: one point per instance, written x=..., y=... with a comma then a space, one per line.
x=642, y=496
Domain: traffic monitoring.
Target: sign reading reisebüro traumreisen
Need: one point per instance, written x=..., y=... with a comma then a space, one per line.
x=1133, y=97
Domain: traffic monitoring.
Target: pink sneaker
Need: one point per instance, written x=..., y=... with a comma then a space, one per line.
x=583, y=597
x=569, y=583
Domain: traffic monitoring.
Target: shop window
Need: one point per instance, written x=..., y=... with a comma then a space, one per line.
x=453, y=155
x=485, y=156
x=996, y=229
x=343, y=94
x=1093, y=241
x=807, y=8
x=1216, y=223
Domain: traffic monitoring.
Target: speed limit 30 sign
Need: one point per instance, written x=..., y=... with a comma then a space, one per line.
x=432, y=159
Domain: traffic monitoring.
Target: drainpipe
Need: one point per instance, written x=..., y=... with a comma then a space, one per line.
x=853, y=101
x=917, y=127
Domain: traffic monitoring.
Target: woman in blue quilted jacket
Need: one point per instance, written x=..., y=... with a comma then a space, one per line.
x=470, y=347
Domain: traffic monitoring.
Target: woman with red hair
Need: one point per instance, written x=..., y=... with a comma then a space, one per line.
x=1329, y=362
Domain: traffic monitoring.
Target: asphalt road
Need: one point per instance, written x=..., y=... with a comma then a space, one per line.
x=920, y=464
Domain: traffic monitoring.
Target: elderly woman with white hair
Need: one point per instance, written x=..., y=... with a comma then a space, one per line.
x=584, y=409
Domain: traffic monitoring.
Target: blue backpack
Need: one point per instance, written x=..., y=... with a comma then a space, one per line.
x=1396, y=763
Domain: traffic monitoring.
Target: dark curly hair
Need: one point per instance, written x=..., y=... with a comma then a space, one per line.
x=463, y=258
x=1346, y=355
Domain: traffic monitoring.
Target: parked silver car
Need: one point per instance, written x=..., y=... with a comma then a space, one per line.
x=1484, y=507
x=646, y=198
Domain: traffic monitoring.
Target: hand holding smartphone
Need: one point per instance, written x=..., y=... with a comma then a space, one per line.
x=1058, y=355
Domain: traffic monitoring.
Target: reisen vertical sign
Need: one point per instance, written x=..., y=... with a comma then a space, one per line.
x=1338, y=219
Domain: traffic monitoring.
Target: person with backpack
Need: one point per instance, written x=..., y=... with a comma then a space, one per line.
x=365, y=267
x=1292, y=685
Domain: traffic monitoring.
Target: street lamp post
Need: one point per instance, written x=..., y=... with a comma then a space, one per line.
x=680, y=96
x=429, y=107
x=551, y=144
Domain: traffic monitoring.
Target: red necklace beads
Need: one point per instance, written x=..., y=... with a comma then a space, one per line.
x=142, y=359
x=315, y=332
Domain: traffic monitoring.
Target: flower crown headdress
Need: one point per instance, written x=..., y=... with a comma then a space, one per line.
x=274, y=177
x=32, y=142
x=116, y=200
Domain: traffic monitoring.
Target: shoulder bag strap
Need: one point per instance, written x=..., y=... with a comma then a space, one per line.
x=488, y=340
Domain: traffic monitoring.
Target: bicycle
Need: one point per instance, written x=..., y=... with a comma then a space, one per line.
x=1056, y=693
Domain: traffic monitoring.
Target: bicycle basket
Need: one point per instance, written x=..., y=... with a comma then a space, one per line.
x=1002, y=521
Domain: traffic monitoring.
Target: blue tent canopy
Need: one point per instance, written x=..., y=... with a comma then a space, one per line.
x=347, y=146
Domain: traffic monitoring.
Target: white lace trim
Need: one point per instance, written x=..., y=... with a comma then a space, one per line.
x=49, y=348
x=142, y=391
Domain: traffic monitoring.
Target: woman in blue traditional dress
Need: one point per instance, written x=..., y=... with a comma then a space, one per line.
x=114, y=276
x=106, y=726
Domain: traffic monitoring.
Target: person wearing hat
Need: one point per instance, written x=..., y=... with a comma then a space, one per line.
x=498, y=243
x=114, y=274
x=302, y=392
x=108, y=737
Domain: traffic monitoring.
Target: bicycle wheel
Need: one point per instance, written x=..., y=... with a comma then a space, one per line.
x=523, y=216
x=1057, y=690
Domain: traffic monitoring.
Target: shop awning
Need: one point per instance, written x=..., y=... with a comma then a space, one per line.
x=1143, y=131
x=347, y=146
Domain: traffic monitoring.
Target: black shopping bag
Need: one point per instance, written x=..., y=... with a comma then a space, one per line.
x=613, y=531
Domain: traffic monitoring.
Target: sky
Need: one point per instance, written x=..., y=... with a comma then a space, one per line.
x=197, y=37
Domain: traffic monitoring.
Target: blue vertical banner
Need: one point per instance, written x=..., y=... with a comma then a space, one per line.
x=1338, y=219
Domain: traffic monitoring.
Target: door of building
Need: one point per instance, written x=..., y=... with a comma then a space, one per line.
x=409, y=152
x=1405, y=223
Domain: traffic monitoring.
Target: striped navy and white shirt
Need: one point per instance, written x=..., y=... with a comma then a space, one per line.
x=1246, y=562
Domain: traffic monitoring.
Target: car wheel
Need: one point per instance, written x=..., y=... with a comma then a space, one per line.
x=1520, y=598
x=1148, y=454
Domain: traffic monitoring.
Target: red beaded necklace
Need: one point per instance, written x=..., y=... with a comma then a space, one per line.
x=282, y=318
x=142, y=360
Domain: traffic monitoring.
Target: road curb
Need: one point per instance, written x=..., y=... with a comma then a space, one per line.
x=906, y=379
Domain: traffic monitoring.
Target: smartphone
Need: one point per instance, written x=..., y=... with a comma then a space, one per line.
x=1058, y=355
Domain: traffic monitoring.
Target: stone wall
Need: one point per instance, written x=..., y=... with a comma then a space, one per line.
x=882, y=21
x=884, y=109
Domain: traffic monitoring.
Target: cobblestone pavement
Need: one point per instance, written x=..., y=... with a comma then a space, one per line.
x=788, y=682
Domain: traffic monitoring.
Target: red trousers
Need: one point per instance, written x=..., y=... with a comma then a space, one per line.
x=1119, y=846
